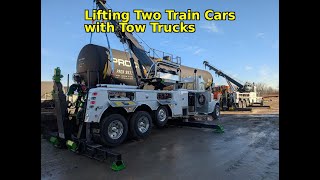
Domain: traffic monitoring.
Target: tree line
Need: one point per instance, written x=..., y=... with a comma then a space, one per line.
x=263, y=89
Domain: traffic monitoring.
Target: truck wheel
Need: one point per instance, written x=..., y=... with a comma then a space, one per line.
x=140, y=124
x=244, y=104
x=113, y=130
x=161, y=116
x=248, y=103
x=240, y=104
x=216, y=112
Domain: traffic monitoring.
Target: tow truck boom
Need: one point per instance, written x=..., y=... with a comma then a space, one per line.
x=220, y=73
x=129, y=39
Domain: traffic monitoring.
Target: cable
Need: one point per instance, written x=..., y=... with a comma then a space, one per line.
x=92, y=22
x=111, y=56
x=146, y=44
x=142, y=40
x=135, y=33
x=125, y=51
x=109, y=6
x=139, y=38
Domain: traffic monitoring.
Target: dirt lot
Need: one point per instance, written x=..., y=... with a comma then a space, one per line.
x=249, y=149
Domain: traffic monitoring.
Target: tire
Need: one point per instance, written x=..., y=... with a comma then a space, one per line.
x=244, y=104
x=240, y=104
x=161, y=116
x=216, y=112
x=248, y=103
x=140, y=124
x=113, y=130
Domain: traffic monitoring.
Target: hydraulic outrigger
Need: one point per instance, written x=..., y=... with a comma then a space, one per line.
x=65, y=139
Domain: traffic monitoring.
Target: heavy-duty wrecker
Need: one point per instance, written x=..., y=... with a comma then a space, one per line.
x=240, y=95
x=105, y=115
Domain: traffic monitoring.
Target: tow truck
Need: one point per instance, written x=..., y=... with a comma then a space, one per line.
x=105, y=115
x=237, y=95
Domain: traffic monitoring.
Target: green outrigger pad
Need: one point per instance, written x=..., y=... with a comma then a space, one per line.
x=71, y=145
x=118, y=165
x=219, y=129
x=54, y=140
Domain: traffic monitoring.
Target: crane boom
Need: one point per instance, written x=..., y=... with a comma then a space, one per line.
x=129, y=39
x=220, y=73
x=157, y=76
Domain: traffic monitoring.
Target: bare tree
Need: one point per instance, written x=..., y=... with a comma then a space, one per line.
x=263, y=89
x=260, y=88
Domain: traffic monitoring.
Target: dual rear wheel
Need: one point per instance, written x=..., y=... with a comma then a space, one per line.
x=243, y=103
x=114, y=128
x=140, y=124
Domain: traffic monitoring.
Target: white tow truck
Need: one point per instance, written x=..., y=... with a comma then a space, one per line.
x=114, y=111
x=119, y=109
x=241, y=95
x=106, y=114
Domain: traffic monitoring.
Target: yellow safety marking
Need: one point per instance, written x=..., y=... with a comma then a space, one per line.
x=131, y=103
x=118, y=103
x=105, y=70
